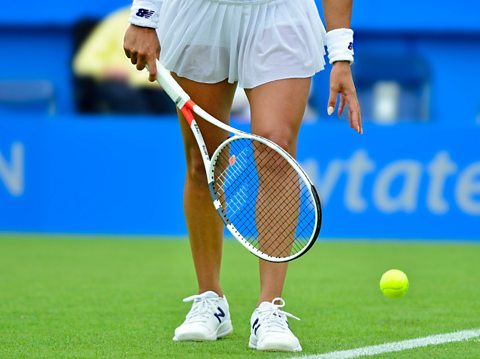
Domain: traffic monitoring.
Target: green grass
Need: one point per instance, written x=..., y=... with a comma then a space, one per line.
x=86, y=297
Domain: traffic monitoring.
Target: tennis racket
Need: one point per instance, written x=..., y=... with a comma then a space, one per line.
x=263, y=196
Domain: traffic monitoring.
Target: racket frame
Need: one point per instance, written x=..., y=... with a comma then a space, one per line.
x=230, y=225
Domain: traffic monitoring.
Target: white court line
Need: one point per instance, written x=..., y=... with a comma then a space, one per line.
x=397, y=346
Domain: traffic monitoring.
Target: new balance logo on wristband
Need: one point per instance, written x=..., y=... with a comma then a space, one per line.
x=350, y=46
x=145, y=13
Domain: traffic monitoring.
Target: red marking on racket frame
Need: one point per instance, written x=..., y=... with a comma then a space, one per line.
x=187, y=111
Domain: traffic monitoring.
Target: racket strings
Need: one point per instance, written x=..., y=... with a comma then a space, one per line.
x=296, y=242
x=238, y=197
x=223, y=175
x=285, y=209
x=264, y=197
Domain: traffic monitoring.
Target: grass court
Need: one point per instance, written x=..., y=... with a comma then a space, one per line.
x=121, y=297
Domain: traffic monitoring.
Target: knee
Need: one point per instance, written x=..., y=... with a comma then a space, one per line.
x=196, y=170
x=283, y=137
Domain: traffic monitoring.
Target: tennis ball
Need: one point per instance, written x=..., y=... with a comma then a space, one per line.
x=394, y=283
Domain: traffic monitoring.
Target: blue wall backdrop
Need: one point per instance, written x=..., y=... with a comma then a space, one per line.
x=416, y=178
x=126, y=176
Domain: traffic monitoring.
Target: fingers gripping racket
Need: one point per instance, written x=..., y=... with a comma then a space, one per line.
x=263, y=196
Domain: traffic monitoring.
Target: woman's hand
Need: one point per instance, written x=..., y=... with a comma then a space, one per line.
x=341, y=82
x=142, y=47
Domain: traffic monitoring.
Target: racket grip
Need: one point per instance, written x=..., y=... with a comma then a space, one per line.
x=170, y=86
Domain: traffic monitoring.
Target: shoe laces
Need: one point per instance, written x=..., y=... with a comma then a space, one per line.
x=273, y=318
x=202, y=307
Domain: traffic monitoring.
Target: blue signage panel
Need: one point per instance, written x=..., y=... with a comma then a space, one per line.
x=416, y=181
x=125, y=176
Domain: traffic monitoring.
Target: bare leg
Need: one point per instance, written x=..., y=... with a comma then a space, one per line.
x=276, y=221
x=205, y=227
x=277, y=110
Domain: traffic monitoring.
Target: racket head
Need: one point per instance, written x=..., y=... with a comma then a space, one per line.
x=264, y=197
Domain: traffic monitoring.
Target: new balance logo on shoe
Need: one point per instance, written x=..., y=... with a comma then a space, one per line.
x=220, y=314
x=147, y=14
x=255, y=326
x=270, y=329
x=208, y=319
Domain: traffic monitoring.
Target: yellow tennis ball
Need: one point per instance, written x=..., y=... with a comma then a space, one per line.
x=394, y=283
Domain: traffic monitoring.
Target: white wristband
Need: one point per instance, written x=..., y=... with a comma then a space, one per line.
x=145, y=13
x=340, y=45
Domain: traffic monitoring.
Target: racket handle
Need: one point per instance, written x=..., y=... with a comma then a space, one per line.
x=170, y=86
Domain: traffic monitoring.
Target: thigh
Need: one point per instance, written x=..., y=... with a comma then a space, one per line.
x=277, y=110
x=216, y=99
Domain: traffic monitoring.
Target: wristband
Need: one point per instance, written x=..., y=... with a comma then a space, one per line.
x=340, y=45
x=145, y=13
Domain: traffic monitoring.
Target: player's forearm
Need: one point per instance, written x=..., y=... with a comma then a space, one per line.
x=338, y=13
x=339, y=39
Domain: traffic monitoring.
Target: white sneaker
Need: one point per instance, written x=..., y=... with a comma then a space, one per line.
x=270, y=330
x=208, y=319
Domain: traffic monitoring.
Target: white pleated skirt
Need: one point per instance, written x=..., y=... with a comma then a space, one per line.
x=251, y=42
